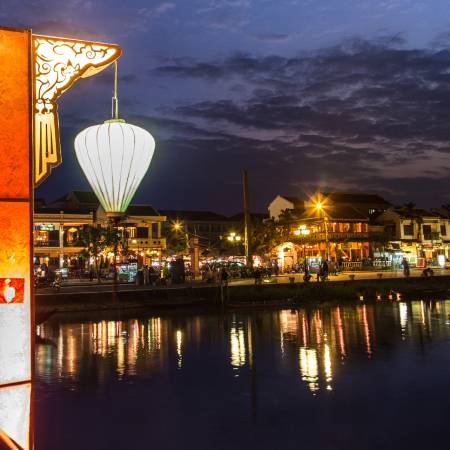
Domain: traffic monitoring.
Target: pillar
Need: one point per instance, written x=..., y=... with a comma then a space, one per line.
x=61, y=245
x=16, y=223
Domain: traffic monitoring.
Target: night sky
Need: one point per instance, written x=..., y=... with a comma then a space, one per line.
x=308, y=94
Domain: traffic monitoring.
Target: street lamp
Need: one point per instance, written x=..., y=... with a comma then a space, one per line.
x=233, y=237
x=114, y=157
x=303, y=231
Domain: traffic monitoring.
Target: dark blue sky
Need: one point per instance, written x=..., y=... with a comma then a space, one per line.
x=307, y=94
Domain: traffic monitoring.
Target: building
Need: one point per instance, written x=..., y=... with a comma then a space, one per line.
x=58, y=230
x=421, y=236
x=282, y=203
x=56, y=235
x=367, y=204
x=342, y=234
x=210, y=228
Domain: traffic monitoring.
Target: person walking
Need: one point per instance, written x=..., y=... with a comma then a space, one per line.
x=406, y=269
x=224, y=276
x=146, y=276
x=257, y=274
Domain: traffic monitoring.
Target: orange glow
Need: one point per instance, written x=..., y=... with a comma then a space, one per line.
x=15, y=214
x=15, y=116
x=16, y=307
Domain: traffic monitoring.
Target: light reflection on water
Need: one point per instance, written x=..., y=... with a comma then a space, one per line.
x=308, y=352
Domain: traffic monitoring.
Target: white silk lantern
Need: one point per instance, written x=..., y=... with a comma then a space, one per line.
x=114, y=157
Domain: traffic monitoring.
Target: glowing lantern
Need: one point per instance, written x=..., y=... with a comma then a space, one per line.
x=114, y=157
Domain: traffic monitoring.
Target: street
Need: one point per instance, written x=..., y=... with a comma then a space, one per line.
x=85, y=286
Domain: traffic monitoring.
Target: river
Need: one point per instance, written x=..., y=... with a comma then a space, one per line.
x=347, y=377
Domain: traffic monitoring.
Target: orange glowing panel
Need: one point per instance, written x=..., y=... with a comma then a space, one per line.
x=14, y=114
x=15, y=208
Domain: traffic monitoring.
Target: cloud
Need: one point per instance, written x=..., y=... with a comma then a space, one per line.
x=272, y=37
x=79, y=18
x=362, y=113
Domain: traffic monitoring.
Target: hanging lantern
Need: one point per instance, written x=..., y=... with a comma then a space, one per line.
x=114, y=157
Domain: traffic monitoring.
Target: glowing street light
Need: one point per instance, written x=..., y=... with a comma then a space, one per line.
x=319, y=208
x=302, y=231
x=177, y=226
x=233, y=237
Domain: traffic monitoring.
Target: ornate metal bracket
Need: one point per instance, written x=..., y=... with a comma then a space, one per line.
x=58, y=63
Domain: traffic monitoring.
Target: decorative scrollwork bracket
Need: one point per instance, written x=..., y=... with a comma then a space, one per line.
x=58, y=63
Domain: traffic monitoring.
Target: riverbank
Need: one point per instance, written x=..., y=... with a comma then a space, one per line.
x=243, y=295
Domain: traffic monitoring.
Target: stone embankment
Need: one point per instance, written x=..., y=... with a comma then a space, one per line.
x=249, y=295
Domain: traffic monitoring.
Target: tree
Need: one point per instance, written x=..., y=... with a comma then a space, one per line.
x=97, y=240
x=176, y=242
x=266, y=235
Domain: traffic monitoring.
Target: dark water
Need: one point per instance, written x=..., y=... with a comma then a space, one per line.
x=349, y=377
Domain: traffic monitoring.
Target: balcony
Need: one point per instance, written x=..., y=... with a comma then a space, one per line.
x=54, y=243
x=432, y=237
x=337, y=237
x=135, y=243
x=48, y=243
x=74, y=243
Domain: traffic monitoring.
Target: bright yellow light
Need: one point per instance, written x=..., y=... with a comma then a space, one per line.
x=302, y=227
x=318, y=205
x=297, y=232
x=238, y=238
x=230, y=238
x=306, y=232
x=177, y=226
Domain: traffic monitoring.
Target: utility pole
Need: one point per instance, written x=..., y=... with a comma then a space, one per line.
x=247, y=223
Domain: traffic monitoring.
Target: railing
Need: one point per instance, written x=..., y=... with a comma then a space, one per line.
x=55, y=243
x=352, y=265
x=333, y=236
x=380, y=263
x=74, y=244
x=51, y=243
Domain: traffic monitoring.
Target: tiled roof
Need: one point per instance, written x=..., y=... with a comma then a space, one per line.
x=239, y=217
x=294, y=200
x=354, y=197
x=193, y=216
x=85, y=197
x=411, y=213
x=142, y=210
x=56, y=210
x=337, y=212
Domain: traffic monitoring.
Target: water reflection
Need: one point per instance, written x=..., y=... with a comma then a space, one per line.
x=237, y=344
x=318, y=342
